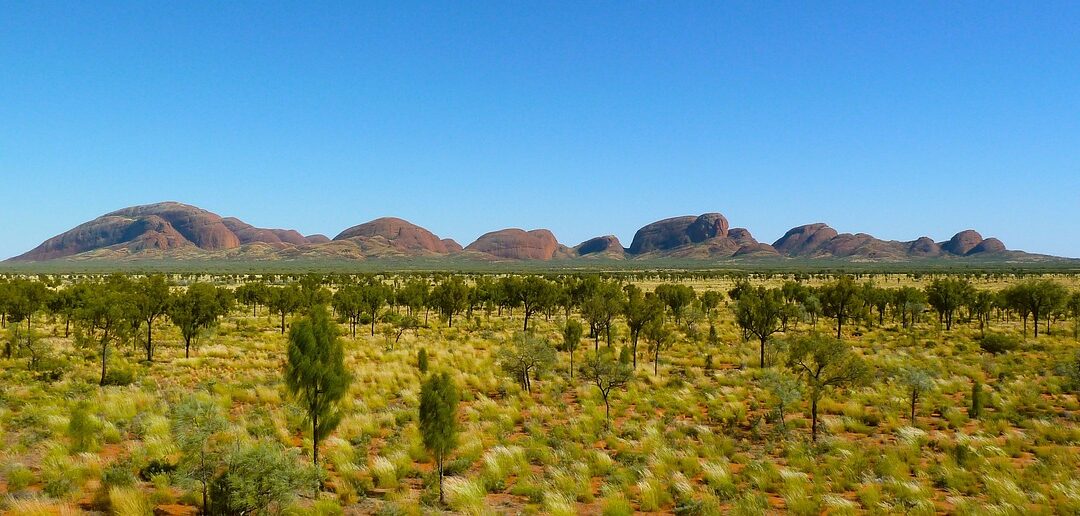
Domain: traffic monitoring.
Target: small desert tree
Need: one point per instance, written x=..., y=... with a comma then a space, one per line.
x=824, y=364
x=315, y=373
x=947, y=295
x=196, y=310
x=608, y=373
x=450, y=297
x=284, y=301
x=534, y=294
x=677, y=297
x=785, y=392
x=194, y=422
x=102, y=315
x=438, y=420
x=527, y=354
x=916, y=382
x=349, y=305
x=758, y=312
x=572, y=333
x=639, y=310
x=151, y=299
x=1073, y=307
x=260, y=478
x=660, y=337
x=373, y=296
x=840, y=300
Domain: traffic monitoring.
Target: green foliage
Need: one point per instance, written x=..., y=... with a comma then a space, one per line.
x=315, y=373
x=976, y=409
x=422, y=360
x=195, y=422
x=82, y=428
x=196, y=310
x=525, y=356
x=998, y=343
x=824, y=364
x=947, y=295
x=757, y=312
x=839, y=300
x=607, y=374
x=259, y=479
x=438, y=419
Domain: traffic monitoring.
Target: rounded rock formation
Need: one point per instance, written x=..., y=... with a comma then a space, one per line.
x=988, y=246
x=924, y=246
x=517, y=244
x=670, y=233
x=962, y=242
x=804, y=240
x=401, y=235
x=603, y=244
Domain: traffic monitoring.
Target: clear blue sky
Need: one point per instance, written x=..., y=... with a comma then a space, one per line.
x=586, y=118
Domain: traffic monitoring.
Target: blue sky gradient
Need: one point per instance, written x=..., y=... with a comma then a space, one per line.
x=586, y=118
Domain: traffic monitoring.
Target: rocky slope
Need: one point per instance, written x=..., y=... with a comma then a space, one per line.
x=518, y=244
x=179, y=231
x=400, y=235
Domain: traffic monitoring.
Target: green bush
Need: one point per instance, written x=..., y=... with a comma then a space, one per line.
x=996, y=343
x=82, y=428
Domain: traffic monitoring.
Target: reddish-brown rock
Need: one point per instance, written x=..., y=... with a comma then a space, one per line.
x=670, y=233
x=402, y=235
x=517, y=244
x=804, y=240
x=924, y=247
x=608, y=244
x=204, y=229
x=249, y=234
x=988, y=246
x=962, y=242
x=743, y=237
x=317, y=238
x=164, y=226
x=757, y=249
x=452, y=246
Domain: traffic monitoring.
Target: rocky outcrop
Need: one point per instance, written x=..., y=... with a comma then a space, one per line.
x=671, y=233
x=452, y=246
x=924, y=247
x=250, y=234
x=163, y=226
x=988, y=246
x=179, y=231
x=756, y=249
x=606, y=245
x=962, y=242
x=804, y=240
x=401, y=235
x=517, y=244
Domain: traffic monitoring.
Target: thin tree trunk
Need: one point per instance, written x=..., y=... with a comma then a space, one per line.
x=149, y=340
x=762, y=364
x=442, y=499
x=315, y=439
x=104, y=356
x=914, y=398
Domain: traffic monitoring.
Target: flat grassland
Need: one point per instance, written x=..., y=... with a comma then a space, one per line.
x=705, y=434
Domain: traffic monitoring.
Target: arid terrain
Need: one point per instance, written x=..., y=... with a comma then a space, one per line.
x=938, y=397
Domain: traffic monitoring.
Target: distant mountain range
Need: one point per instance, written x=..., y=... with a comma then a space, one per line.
x=179, y=231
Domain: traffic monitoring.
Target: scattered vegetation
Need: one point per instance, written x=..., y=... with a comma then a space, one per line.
x=770, y=392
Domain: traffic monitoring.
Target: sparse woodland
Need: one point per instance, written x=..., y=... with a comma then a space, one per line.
x=410, y=393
